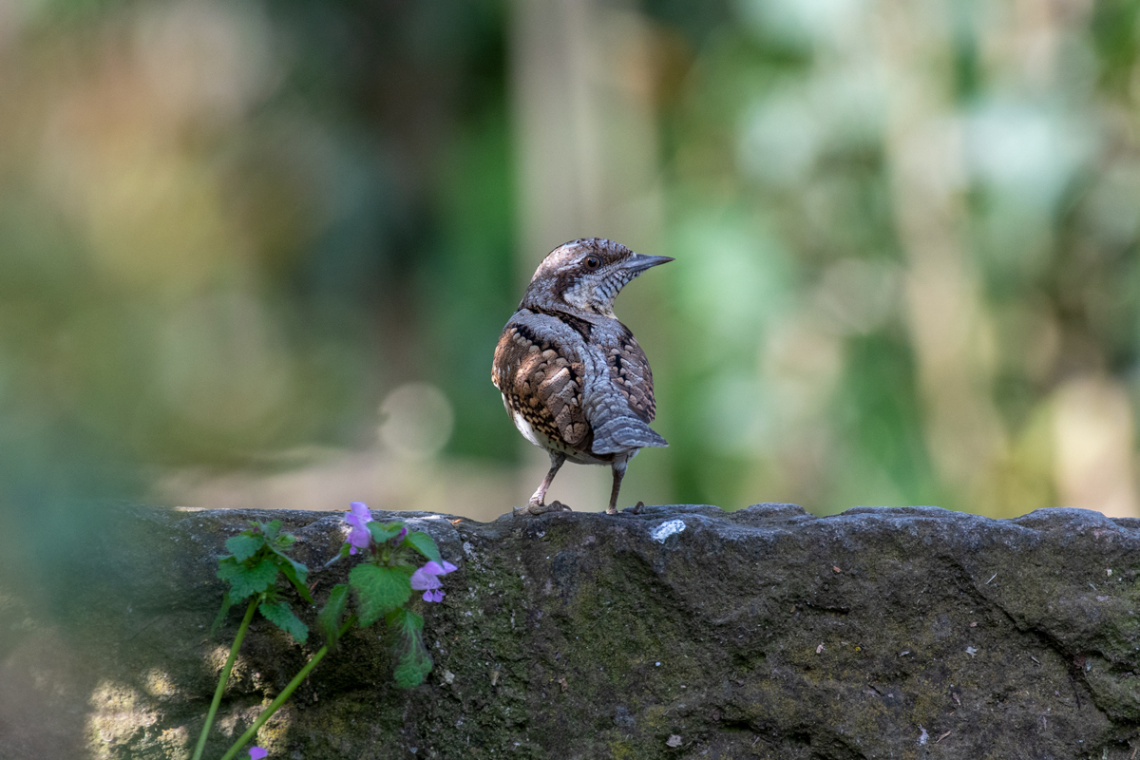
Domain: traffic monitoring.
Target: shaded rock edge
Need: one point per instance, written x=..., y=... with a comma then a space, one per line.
x=683, y=632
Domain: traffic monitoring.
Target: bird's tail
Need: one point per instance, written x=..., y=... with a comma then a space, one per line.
x=615, y=427
x=615, y=432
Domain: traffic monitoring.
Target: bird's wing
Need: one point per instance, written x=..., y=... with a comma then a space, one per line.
x=540, y=375
x=629, y=372
x=620, y=405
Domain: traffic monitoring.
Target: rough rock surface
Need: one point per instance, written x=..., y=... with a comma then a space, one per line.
x=683, y=632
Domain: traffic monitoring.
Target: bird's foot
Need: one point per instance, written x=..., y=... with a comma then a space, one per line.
x=538, y=508
x=634, y=510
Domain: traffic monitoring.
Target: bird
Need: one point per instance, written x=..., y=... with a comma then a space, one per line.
x=573, y=378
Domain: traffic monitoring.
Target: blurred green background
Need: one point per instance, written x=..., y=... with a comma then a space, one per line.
x=258, y=254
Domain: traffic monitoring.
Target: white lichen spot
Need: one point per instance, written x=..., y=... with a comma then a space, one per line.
x=666, y=529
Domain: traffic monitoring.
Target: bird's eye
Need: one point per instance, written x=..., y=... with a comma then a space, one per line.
x=593, y=262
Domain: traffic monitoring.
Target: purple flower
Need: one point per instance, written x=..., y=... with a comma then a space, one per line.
x=257, y=753
x=358, y=518
x=426, y=579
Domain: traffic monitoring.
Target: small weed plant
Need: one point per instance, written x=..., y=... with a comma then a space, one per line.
x=393, y=562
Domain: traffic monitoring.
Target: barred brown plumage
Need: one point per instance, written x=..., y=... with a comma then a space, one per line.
x=573, y=378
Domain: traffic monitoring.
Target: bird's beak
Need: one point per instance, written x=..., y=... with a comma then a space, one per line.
x=639, y=262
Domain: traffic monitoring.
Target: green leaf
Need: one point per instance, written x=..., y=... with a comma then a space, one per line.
x=244, y=545
x=424, y=544
x=404, y=622
x=379, y=590
x=284, y=541
x=281, y=615
x=381, y=533
x=328, y=619
x=296, y=573
x=412, y=668
x=245, y=581
x=413, y=662
x=270, y=529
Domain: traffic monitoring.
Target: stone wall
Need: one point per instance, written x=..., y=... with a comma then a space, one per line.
x=683, y=632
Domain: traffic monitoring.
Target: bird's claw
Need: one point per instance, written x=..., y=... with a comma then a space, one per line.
x=634, y=510
x=535, y=508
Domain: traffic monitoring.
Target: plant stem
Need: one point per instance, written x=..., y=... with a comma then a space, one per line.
x=284, y=695
x=225, y=676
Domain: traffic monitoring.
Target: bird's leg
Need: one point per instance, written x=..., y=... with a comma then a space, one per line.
x=536, y=506
x=619, y=473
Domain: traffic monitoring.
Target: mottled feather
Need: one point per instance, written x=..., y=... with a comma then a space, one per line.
x=630, y=373
x=541, y=381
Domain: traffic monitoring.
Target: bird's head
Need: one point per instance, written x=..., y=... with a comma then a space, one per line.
x=586, y=275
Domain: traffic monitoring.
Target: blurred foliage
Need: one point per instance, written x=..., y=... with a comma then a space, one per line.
x=917, y=230
x=905, y=234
